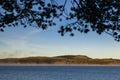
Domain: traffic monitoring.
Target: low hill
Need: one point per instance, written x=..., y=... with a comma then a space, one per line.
x=64, y=59
x=73, y=56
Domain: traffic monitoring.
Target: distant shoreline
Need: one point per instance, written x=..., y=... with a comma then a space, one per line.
x=64, y=60
x=58, y=64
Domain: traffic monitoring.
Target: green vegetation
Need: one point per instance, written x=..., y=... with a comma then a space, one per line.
x=65, y=59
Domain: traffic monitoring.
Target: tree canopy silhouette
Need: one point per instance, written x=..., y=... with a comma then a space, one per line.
x=101, y=16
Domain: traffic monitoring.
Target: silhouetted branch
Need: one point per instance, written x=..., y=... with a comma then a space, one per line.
x=94, y=15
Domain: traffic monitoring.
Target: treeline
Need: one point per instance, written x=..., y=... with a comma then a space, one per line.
x=66, y=59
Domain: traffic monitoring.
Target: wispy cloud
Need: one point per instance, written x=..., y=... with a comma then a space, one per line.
x=17, y=45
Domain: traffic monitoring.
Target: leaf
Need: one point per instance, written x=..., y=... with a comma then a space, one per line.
x=86, y=30
x=72, y=34
x=1, y=30
x=115, y=33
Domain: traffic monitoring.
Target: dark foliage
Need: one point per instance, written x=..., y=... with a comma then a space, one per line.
x=101, y=16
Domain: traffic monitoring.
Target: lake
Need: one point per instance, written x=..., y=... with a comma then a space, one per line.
x=59, y=72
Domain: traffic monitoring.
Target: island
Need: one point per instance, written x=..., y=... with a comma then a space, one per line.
x=64, y=59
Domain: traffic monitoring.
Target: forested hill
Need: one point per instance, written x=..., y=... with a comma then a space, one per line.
x=65, y=59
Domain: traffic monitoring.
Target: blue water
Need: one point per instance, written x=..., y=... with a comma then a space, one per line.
x=59, y=72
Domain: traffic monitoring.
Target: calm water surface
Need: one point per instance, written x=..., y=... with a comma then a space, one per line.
x=59, y=72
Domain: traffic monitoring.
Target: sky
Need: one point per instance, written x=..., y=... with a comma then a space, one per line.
x=31, y=41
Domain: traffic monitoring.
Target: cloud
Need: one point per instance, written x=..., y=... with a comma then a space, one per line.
x=17, y=45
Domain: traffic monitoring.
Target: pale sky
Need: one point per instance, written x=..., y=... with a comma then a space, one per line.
x=30, y=41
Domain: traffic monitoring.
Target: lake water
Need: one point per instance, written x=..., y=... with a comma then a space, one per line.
x=59, y=72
